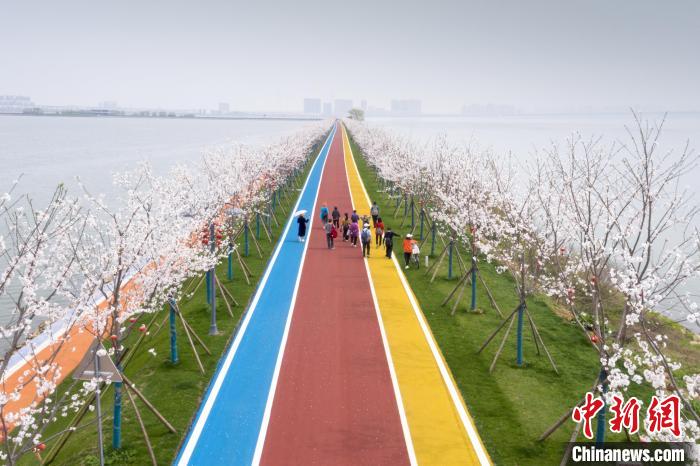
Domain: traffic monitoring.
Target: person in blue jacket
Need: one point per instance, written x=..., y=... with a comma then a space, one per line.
x=324, y=214
x=302, y=221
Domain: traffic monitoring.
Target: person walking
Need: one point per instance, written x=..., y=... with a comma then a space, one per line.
x=336, y=217
x=324, y=214
x=366, y=238
x=378, y=232
x=354, y=233
x=374, y=212
x=354, y=217
x=346, y=227
x=408, y=249
x=301, y=232
x=415, y=253
x=389, y=241
x=330, y=230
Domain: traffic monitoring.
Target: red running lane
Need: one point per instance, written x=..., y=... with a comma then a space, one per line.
x=334, y=403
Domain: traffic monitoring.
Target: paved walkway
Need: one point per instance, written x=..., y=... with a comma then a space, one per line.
x=334, y=363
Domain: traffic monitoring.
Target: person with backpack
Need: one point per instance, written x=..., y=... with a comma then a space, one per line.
x=354, y=217
x=389, y=241
x=379, y=232
x=408, y=249
x=301, y=232
x=331, y=233
x=366, y=237
x=354, y=233
x=374, y=212
x=324, y=214
x=346, y=227
x=336, y=217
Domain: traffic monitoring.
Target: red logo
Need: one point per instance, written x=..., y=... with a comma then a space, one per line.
x=664, y=414
x=625, y=414
x=586, y=412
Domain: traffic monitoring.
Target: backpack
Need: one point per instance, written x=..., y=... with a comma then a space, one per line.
x=366, y=236
x=334, y=232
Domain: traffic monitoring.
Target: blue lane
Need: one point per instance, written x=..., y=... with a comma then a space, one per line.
x=225, y=431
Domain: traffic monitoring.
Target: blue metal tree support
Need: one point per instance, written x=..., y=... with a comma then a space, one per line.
x=173, y=335
x=213, y=330
x=449, y=260
x=473, y=281
x=432, y=240
x=117, y=415
x=519, y=357
x=600, y=418
x=257, y=225
x=246, y=229
x=208, y=280
x=422, y=215
x=413, y=214
x=229, y=270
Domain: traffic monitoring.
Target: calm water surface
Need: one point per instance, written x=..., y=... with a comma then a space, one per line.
x=46, y=151
x=521, y=135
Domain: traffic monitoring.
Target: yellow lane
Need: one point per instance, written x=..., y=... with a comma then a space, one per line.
x=442, y=432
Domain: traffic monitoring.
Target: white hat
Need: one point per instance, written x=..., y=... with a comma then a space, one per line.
x=366, y=224
x=409, y=236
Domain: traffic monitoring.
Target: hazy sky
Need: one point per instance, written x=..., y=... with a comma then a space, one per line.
x=268, y=55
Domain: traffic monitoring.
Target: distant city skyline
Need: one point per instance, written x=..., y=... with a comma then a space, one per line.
x=543, y=55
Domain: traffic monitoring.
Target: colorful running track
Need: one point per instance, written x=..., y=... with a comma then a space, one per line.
x=334, y=363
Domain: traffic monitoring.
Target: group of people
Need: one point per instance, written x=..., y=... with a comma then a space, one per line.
x=349, y=228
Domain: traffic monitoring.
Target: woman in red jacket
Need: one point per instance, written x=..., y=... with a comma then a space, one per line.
x=379, y=232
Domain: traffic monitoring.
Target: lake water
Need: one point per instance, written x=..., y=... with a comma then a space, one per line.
x=46, y=151
x=522, y=134
x=50, y=150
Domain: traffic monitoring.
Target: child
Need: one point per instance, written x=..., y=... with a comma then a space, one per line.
x=415, y=254
x=346, y=227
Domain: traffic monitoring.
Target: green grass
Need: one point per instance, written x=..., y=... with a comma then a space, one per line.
x=175, y=390
x=513, y=405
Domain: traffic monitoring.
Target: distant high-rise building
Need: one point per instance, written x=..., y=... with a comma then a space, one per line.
x=327, y=108
x=312, y=106
x=224, y=108
x=363, y=105
x=407, y=107
x=342, y=107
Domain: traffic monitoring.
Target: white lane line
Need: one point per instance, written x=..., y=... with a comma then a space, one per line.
x=262, y=433
x=385, y=342
x=211, y=397
x=392, y=371
x=446, y=377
